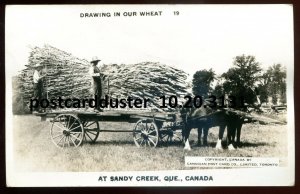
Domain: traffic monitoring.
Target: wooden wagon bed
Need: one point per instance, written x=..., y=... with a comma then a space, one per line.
x=111, y=115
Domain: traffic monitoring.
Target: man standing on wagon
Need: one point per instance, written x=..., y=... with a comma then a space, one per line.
x=96, y=81
x=37, y=85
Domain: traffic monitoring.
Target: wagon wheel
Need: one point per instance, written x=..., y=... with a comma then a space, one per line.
x=91, y=131
x=145, y=133
x=170, y=135
x=66, y=131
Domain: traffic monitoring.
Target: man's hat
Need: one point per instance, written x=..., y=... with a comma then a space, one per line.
x=37, y=65
x=95, y=59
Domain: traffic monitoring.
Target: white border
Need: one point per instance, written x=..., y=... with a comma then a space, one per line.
x=282, y=176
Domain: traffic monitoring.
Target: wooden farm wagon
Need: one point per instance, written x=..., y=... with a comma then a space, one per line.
x=71, y=129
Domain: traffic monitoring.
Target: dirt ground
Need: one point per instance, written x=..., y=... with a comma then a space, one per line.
x=34, y=150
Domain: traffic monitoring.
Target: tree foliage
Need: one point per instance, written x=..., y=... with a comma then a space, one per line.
x=202, y=81
x=273, y=84
x=241, y=80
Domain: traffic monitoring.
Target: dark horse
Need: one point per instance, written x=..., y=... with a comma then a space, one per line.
x=205, y=118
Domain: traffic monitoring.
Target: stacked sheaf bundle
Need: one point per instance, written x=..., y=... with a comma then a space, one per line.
x=67, y=76
x=145, y=80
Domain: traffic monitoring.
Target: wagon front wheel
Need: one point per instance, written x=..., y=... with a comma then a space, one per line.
x=66, y=131
x=169, y=136
x=145, y=133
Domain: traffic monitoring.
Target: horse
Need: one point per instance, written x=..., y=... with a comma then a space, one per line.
x=204, y=118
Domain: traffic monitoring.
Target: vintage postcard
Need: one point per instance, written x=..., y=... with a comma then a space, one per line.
x=149, y=95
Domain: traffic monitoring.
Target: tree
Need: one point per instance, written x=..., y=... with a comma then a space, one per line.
x=218, y=90
x=202, y=81
x=274, y=82
x=241, y=80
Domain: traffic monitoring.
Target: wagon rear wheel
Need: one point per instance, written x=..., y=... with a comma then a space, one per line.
x=66, y=131
x=91, y=131
x=145, y=133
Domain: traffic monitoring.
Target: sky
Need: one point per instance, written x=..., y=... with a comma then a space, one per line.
x=200, y=37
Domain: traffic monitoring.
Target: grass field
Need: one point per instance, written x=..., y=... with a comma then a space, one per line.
x=34, y=150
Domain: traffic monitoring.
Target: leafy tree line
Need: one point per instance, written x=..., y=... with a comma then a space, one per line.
x=244, y=79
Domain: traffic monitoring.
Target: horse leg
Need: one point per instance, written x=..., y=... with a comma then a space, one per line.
x=199, y=135
x=238, y=133
x=187, y=143
x=231, y=135
x=205, y=133
x=221, y=133
x=187, y=130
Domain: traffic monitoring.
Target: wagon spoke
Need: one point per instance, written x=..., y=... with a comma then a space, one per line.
x=64, y=141
x=91, y=132
x=147, y=129
x=138, y=138
x=144, y=130
x=58, y=136
x=68, y=122
x=151, y=132
x=59, y=121
x=72, y=124
x=141, y=127
x=89, y=136
x=57, y=131
x=163, y=136
x=142, y=142
x=59, y=127
x=177, y=137
x=74, y=128
x=62, y=122
x=90, y=124
x=68, y=141
x=151, y=127
x=72, y=141
x=151, y=141
x=60, y=139
x=152, y=136
x=75, y=137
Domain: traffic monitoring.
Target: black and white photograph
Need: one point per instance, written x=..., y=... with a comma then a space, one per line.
x=149, y=95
